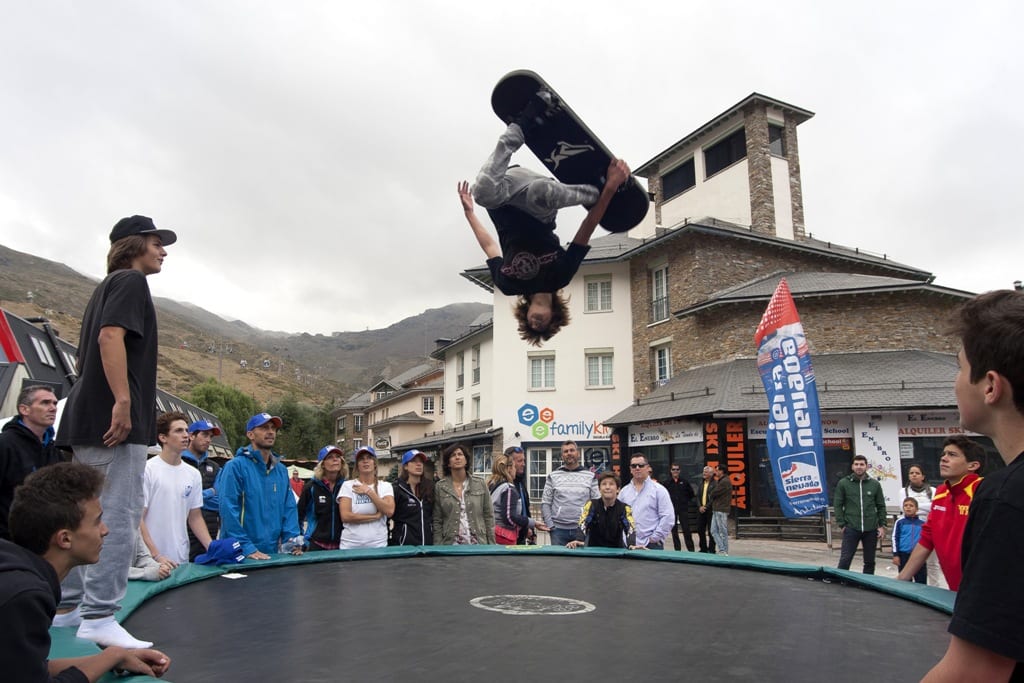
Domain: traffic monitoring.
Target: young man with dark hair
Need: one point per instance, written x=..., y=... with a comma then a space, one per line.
x=681, y=493
x=987, y=628
x=860, y=512
x=527, y=260
x=57, y=524
x=201, y=433
x=961, y=465
x=173, y=495
x=109, y=419
x=26, y=444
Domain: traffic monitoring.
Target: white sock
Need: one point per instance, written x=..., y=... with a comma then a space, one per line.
x=107, y=632
x=72, y=618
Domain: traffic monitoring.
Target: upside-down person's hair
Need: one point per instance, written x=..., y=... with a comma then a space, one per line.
x=559, y=318
x=991, y=329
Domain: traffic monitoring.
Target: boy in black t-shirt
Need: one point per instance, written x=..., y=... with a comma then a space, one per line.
x=988, y=619
x=110, y=420
x=528, y=260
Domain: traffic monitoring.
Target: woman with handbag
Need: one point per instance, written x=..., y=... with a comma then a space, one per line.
x=508, y=515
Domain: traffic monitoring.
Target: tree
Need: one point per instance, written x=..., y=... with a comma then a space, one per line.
x=230, y=405
x=305, y=430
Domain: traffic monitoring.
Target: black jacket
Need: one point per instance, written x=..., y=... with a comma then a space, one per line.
x=680, y=492
x=412, y=523
x=523, y=489
x=208, y=470
x=29, y=593
x=21, y=454
x=318, y=508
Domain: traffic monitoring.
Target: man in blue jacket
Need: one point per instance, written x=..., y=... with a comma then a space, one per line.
x=257, y=506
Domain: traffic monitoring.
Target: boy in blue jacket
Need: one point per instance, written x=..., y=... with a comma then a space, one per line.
x=906, y=532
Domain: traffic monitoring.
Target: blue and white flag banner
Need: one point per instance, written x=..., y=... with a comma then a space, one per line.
x=794, y=421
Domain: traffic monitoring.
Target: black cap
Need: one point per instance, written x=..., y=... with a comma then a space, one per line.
x=140, y=225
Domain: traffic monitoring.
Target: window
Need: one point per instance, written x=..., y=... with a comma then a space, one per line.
x=475, y=360
x=381, y=393
x=428, y=405
x=475, y=408
x=340, y=427
x=357, y=423
x=542, y=372
x=442, y=404
x=356, y=444
x=460, y=369
x=539, y=462
x=482, y=459
x=725, y=153
x=662, y=364
x=599, y=369
x=776, y=140
x=678, y=180
x=43, y=351
x=659, y=294
x=599, y=293
x=459, y=412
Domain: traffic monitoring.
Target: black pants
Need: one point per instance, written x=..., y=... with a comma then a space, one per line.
x=707, y=543
x=867, y=539
x=682, y=520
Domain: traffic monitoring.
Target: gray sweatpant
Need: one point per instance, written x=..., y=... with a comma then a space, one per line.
x=99, y=588
x=498, y=185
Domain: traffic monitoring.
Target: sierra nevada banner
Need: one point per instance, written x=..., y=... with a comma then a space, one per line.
x=794, y=421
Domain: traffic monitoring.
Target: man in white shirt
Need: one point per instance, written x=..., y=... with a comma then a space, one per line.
x=173, y=493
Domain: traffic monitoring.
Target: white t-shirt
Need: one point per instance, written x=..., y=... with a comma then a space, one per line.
x=364, y=534
x=171, y=491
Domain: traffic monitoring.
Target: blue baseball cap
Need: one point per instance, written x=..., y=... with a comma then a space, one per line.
x=327, y=450
x=412, y=455
x=365, y=449
x=222, y=551
x=203, y=426
x=262, y=419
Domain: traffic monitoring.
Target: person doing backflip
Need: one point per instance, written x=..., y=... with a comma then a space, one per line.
x=528, y=261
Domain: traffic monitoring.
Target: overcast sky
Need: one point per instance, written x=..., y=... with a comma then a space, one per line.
x=307, y=152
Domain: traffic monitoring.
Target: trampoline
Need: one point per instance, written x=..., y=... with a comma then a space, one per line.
x=498, y=614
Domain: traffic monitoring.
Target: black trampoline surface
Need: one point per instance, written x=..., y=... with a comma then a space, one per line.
x=410, y=618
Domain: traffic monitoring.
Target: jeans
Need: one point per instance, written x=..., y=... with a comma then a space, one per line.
x=562, y=536
x=868, y=541
x=99, y=588
x=498, y=185
x=720, y=530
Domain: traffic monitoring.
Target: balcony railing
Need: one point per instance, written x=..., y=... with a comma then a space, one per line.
x=659, y=309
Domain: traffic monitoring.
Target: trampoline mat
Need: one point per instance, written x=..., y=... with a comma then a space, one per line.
x=414, y=617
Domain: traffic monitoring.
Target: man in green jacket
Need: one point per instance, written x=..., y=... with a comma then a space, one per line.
x=860, y=513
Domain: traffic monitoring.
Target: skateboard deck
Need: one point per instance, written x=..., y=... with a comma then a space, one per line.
x=569, y=150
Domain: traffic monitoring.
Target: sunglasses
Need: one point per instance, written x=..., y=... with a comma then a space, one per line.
x=637, y=465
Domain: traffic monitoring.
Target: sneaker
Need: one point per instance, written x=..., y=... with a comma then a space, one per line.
x=539, y=107
x=72, y=618
x=722, y=552
x=107, y=632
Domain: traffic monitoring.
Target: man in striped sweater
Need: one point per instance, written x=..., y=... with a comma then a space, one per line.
x=566, y=491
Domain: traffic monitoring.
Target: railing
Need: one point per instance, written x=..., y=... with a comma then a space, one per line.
x=659, y=309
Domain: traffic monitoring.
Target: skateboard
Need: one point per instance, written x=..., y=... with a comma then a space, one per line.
x=569, y=150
